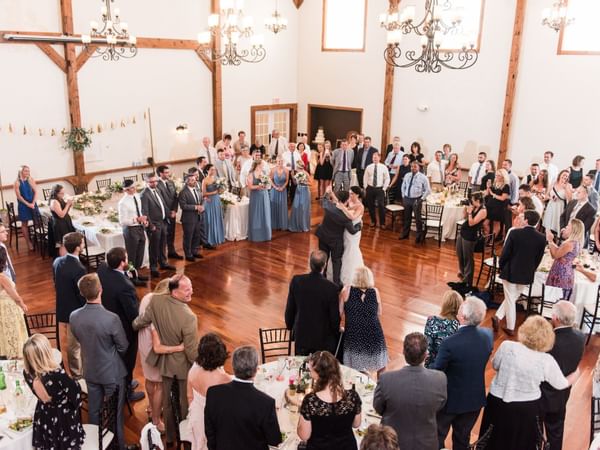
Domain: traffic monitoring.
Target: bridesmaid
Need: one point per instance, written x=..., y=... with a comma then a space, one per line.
x=280, y=176
x=26, y=191
x=259, y=214
x=300, y=216
x=213, y=213
x=61, y=220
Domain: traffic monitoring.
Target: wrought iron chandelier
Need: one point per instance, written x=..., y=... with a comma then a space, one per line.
x=112, y=34
x=556, y=17
x=439, y=21
x=276, y=22
x=231, y=25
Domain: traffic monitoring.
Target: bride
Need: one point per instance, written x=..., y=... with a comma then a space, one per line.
x=352, y=257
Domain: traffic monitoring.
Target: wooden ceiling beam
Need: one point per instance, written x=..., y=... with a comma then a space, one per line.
x=54, y=56
x=205, y=59
x=298, y=3
x=388, y=98
x=85, y=54
x=217, y=80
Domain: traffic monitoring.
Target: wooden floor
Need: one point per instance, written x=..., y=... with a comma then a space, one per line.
x=242, y=286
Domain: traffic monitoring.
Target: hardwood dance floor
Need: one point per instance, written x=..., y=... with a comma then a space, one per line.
x=242, y=286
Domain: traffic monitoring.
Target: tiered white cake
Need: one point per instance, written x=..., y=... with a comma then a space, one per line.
x=320, y=137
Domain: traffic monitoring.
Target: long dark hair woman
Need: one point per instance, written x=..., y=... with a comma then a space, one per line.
x=474, y=214
x=61, y=220
x=416, y=155
x=329, y=413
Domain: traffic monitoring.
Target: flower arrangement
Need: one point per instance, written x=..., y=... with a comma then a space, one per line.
x=265, y=181
x=87, y=204
x=101, y=195
x=117, y=187
x=112, y=215
x=77, y=139
x=301, y=178
x=221, y=183
x=227, y=198
x=179, y=184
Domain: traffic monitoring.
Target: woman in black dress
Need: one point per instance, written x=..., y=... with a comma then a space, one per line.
x=324, y=169
x=498, y=198
x=488, y=179
x=396, y=183
x=329, y=413
x=576, y=171
x=416, y=155
x=57, y=421
x=61, y=220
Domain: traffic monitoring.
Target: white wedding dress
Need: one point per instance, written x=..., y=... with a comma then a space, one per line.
x=352, y=257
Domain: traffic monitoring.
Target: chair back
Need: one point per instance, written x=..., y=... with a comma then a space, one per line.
x=46, y=193
x=434, y=212
x=595, y=418
x=12, y=217
x=103, y=183
x=275, y=342
x=43, y=323
x=464, y=187
x=488, y=249
x=481, y=443
x=40, y=231
x=90, y=260
x=108, y=419
x=133, y=178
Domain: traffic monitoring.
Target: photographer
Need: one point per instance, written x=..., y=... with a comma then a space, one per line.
x=474, y=214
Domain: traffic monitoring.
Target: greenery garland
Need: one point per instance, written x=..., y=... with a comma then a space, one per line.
x=77, y=139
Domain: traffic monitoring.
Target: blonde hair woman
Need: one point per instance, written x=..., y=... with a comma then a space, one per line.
x=438, y=328
x=562, y=273
x=513, y=400
x=26, y=192
x=360, y=306
x=498, y=196
x=56, y=421
x=148, y=340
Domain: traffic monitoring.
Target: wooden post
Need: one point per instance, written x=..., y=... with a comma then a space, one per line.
x=511, y=82
x=217, y=92
x=388, y=98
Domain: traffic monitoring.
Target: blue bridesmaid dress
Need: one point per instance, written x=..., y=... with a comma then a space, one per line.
x=213, y=217
x=300, y=216
x=259, y=214
x=279, y=208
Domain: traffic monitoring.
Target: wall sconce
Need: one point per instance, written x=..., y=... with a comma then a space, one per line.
x=182, y=129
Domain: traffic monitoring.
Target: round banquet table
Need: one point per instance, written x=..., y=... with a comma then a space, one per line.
x=236, y=220
x=453, y=212
x=15, y=440
x=584, y=290
x=287, y=415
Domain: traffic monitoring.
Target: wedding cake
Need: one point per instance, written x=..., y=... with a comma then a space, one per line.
x=320, y=137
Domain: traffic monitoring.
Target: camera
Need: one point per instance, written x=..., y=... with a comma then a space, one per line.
x=465, y=202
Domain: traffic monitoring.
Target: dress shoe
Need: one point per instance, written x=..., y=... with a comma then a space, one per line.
x=155, y=273
x=383, y=227
x=133, y=396
x=138, y=282
x=508, y=331
x=495, y=323
x=175, y=255
x=190, y=258
x=209, y=247
x=142, y=278
x=168, y=267
x=402, y=237
x=197, y=255
x=372, y=225
x=134, y=384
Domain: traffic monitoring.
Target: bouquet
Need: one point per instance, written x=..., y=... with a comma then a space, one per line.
x=301, y=178
x=221, y=183
x=265, y=181
x=227, y=198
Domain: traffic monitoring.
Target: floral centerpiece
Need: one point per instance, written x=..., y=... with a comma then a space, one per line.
x=102, y=195
x=112, y=215
x=265, y=181
x=88, y=204
x=227, y=198
x=221, y=184
x=301, y=178
x=117, y=187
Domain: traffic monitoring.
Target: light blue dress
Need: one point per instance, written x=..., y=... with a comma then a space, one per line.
x=213, y=217
x=300, y=216
x=259, y=214
x=279, y=209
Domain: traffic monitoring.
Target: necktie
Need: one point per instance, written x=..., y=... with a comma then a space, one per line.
x=441, y=173
x=343, y=160
x=293, y=162
x=394, y=159
x=276, y=147
x=597, y=183
x=477, y=174
x=137, y=207
x=208, y=154
x=412, y=177
x=375, y=176
x=196, y=196
x=162, y=208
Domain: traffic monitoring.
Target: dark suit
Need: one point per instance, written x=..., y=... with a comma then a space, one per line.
x=169, y=194
x=463, y=357
x=408, y=400
x=586, y=214
x=67, y=271
x=119, y=296
x=521, y=255
x=331, y=235
x=192, y=221
x=239, y=416
x=567, y=351
x=312, y=312
x=360, y=169
x=157, y=228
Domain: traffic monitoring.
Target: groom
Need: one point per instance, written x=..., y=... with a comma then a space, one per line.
x=331, y=231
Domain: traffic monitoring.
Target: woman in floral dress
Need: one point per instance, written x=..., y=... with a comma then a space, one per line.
x=562, y=273
x=438, y=328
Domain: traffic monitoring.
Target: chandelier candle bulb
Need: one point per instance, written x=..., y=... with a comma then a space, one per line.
x=213, y=20
x=382, y=18
x=409, y=12
x=226, y=4
x=235, y=37
x=104, y=10
x=117, y=12
x=239, y=5
x=132, y=40
x=258, y=40
x=86, y=39
x=204, y=37
x=109, y=24
x=546, y=13
x=248, y=22
x=424, y=40
x=94, y=25
x=124, y=26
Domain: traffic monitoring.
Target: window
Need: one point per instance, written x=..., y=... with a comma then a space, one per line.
x=344, y=25
x=582, y=36
x=469, y=31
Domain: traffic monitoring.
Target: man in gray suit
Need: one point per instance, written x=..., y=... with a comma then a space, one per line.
x=167, y=188
x=342, y=167
x=409, y=399
x=192, y=218
x=102, y=338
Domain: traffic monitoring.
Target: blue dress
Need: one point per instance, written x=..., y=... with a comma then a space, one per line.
x=259, y=214
x=279, y=209
x=213, y=217
x=26, y=191
x=300, y=216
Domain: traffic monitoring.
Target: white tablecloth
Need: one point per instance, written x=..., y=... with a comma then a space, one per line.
x=450, y=216
x=266, y=381
x=15, y=440
x=236, y=220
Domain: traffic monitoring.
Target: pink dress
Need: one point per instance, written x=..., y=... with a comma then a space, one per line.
x=562, y=274
x=151, y=373
x=196, y=418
